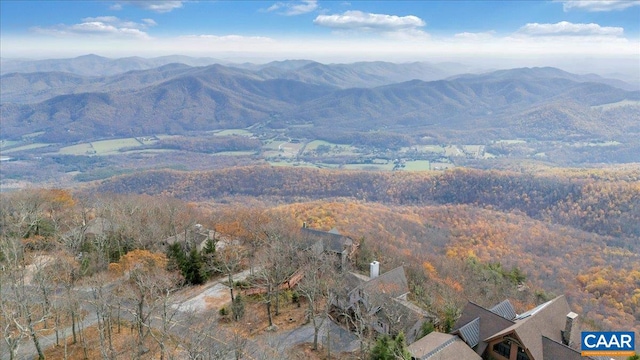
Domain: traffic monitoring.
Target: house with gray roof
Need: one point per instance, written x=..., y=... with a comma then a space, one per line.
x=331, y=242
x=547, y=332
x=381, y=301
x=192, y=236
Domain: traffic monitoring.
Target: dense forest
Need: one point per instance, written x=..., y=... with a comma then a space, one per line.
x=462, y=234
x=582, y=225
x=604, y=202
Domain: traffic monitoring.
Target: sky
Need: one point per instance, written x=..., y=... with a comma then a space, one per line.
x=569, y=31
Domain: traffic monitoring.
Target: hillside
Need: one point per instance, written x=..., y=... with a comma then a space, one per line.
x=566, y=230
x=174, y=99
x=575, y=199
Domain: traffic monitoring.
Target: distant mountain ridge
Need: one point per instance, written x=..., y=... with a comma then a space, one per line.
x=175, y=98
x=94, y=65
x=542, y=72
x=30, y=87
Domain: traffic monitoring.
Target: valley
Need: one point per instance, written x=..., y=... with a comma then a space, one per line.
x=518, y=183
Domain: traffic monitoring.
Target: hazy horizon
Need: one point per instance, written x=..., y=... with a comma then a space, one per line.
x=602, y=37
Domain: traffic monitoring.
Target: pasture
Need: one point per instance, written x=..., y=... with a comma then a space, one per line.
x=234, y=153
x=25, y=147
x=8, y=143
x=335, y=149
x=231, y=132
x=103, y=147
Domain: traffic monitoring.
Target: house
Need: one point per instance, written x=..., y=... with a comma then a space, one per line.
x=331, y=242
x=380, y=301
x=98, y=230
x=98, y=227
x=547, y=332
x=195, y=236
x=440, y=346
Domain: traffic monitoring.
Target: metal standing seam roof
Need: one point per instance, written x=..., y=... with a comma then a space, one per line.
x=470, y=332
x=504, y=309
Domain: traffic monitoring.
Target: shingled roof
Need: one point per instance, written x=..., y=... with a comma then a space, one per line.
x=552, y=349
x=331, y=240
x=489, y=323
x=393, y=283
x=545, y=320
x=441, y=346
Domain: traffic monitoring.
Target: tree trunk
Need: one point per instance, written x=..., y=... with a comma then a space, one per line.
x=139, y=321
x=34, y=336
x=269, y=306
x=231, y=285
x=57, y=325
x=73, y=326
x=277, y=299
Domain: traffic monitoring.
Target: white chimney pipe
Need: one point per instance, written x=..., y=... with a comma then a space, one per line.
x=374, y=269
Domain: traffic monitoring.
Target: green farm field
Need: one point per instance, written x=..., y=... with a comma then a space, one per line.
x=229, y=132
x=25, y=147
x=104, y=147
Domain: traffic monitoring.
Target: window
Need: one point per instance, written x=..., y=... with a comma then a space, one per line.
x=503, y=348
x=522, y=355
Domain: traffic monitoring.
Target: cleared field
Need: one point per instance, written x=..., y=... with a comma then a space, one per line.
x=25, y=147
x=417, y=165
x=111, y=146
x=453, y=150
x=335, y=149
x=617, y=104
x=32, y=135
x=229, y=132
x=142, y=151
x=598, y=144
x=313, y=145
x=284, y=148
x=292, y=164
x=104, y=147
x=370, y=167
x=7, y=143
x=79, y=149
x=273, y=145
x=512, y=141
x=233, y=153
x=431, y=148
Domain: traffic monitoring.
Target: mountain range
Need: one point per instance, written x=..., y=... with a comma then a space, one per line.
x=412, y=98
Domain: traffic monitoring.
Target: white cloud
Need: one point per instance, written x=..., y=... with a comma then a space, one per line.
x=156, y=6
x=474, y=36
x=565, y=28
x=358, y=20
x=228, y=38
x=294, y=8
x=597, y=5
x=100, y=26
x=393, y=27
x=117, y=22
x=96, y=27
x=149, y=22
